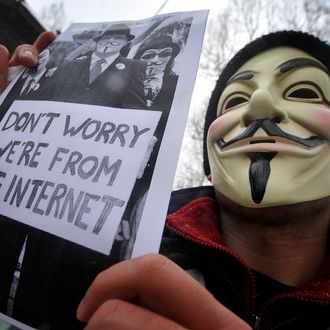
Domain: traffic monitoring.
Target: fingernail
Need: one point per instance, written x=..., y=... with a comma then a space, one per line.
x=29, y=55
x=80, y=310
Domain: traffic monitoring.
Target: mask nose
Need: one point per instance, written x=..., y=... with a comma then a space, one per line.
x=262, y=106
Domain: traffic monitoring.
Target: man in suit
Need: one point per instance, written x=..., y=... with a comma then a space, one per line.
x=34, y=78
x=103, y=77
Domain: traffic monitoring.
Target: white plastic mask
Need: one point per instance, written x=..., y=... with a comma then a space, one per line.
x=270, y=144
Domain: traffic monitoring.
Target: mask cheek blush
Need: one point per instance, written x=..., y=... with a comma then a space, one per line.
x=218, y=128
x=322, y=121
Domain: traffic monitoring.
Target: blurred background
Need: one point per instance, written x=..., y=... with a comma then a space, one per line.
x=231, y=24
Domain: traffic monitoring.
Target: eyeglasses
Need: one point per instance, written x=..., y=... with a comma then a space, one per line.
x=115, y=40
x=161, y=54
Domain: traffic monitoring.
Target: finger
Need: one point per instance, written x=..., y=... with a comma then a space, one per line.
x=44, y=40
x=27, y=55
x=164, y=288
x=4, y=56
x=118, y=314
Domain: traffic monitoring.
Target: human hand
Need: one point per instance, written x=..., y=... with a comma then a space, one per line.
x=151, y=292
x=25, y=55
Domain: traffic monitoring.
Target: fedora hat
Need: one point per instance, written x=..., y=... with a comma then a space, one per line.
x=116, y=29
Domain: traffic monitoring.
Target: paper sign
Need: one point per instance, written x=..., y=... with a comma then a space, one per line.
x=69, y=170
x=89, y=142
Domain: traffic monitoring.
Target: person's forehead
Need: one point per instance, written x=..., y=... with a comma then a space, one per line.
x=114, y=36
x=272, y=59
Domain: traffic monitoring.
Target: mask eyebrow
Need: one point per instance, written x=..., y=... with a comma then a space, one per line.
x=245, y=75
x=300, y=62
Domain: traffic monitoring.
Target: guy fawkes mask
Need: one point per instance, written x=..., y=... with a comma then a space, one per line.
x=270, y=142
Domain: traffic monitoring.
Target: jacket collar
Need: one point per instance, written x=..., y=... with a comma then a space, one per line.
x=197, y=221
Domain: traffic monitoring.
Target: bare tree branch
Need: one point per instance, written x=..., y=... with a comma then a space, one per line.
x=53, y=16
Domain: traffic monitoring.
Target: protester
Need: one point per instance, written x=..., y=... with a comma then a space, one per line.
x=160, y=82
x=257, y=239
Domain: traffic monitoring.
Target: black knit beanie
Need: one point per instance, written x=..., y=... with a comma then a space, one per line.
x=296, y=39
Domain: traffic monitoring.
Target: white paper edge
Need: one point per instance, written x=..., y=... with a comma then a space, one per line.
x=163, y=176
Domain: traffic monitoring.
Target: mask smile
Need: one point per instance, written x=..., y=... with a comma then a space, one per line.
x=153, y=64
x=279, y=137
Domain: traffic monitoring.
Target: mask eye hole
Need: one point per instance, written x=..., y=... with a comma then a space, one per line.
x=304, y=93
x=234, y=101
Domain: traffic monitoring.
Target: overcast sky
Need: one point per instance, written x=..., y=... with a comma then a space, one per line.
x=114, y=10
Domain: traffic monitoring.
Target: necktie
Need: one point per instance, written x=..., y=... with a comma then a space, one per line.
x=96, y=70
x=28, y=87
x=152, y=86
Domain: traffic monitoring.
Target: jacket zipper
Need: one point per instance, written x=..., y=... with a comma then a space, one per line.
x=256, y=322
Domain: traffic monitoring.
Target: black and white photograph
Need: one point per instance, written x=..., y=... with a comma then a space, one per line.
x=89, y=144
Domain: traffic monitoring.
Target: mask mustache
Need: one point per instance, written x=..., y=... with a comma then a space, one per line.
x=270, y=127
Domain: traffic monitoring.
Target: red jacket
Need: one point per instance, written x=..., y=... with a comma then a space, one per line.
x=193, y=240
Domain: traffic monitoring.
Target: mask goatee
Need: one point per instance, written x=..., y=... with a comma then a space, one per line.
x=259, y=172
